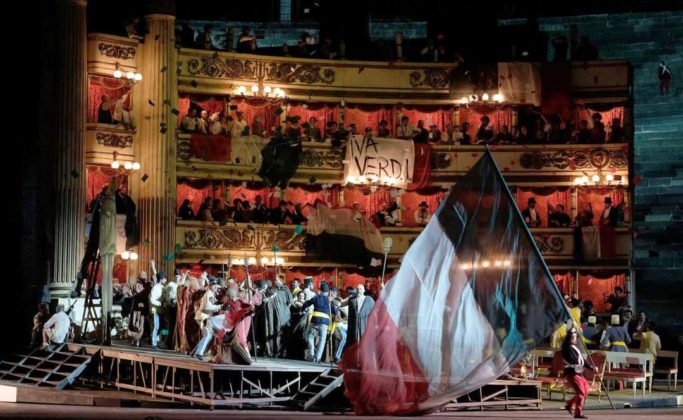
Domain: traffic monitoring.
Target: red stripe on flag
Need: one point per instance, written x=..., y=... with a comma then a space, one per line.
x=365, y=365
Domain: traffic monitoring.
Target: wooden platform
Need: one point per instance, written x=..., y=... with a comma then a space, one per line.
x=505, y=394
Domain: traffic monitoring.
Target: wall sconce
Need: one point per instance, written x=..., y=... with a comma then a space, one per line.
x=131, y=76
x=258, y=92
x=597, y=179
x=116, y=164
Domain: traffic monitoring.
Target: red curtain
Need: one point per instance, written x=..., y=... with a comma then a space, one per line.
x=196, y=192
x=323, y=112
x=263, y=107
x=369, y=116
x=305, y=195
x=249, y=192
x=370, y=203
x=544, y=197
x=556, y=89
x=595, y=288
x=210, y=105
x=595, y=196
x=498, y=117
x=110, y=86
x=441, y=116
x=585, y=113
x=410, y=200
x=98, y=177
x=423, y=166
x=564, y=283
x=210, y=147
x=318, y=274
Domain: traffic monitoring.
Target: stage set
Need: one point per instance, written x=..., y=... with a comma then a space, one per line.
x=246, y=166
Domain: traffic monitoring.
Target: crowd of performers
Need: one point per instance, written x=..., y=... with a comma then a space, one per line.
x=229, y=322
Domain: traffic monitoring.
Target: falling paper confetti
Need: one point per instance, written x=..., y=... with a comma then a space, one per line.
x=164, y=68
x=150, y=102
x=144, y=177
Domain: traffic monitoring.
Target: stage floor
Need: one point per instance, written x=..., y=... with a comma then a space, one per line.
x=167, y=357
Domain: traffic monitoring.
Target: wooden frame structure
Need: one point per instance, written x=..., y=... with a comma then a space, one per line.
x=510, y=394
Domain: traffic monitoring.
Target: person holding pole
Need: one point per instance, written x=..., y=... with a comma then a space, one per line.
x=574, y=366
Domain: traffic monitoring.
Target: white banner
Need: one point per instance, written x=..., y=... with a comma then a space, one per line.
x=379, y=161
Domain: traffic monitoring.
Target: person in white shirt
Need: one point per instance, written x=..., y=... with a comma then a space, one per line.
x=203, y=122
x=189, y=122
x=530, y=214
x=237, y=125
x=56, y=328
x=406, y=130
x=208, y=307
x=217, y=127
x=155, y=306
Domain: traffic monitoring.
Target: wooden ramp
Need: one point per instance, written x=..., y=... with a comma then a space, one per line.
x=319, y=388
x=43, y=368
x=501, y=394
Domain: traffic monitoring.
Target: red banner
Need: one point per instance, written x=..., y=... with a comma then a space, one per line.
x=211, y=148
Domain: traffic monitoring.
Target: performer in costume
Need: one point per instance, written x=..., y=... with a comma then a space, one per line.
x=574, y=365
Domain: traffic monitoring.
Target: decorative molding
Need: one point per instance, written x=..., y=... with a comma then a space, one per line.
x=434, y=78
x=598, y=158
x=302, y=73
x=116, y=51
x=313, y=158
x=259, y=239
x=215, y=67
x=549, y=243
x=184, y=149
x=114, y=140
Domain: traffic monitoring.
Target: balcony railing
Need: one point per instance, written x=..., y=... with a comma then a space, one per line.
x=521, y=164
x=212, y=243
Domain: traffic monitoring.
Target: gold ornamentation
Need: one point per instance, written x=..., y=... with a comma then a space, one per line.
x=116, y=51
x=316, y=159
x=302, y=73
x=597, y=158
x=434, y=78
x=549, y=243
x=216, y=67
x=239, y=237
x=114, y=140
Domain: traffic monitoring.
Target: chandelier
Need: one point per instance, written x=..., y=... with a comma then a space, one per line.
x=261, y=91
x=131, y=76
x=483, y=97
x=597, y=179
x=116, y=164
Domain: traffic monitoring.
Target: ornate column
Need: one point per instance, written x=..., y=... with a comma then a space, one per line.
x=69, y=136
x=157, y=142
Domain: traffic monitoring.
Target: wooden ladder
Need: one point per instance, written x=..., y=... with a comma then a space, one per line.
x=319, y=388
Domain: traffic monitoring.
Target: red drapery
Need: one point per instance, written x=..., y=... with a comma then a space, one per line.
x=98, y=177
x=370, y=116
x=370, y=203
x=556, y=89
x=265, y=108
x=595, y=288
x=410, y=200
x=110, y=86
x=210, y=147
x=210, y=105
x=498, y=117
x=318, y=275
x=423, y=166
x=441, y=116
x=249, y=192
x=196, y=192
x=544, y=197
x=564, y=283
x=595, y=196
x=585, y=113
x=311, y=195
x=323, y=112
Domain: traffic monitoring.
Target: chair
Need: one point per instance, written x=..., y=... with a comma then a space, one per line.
x=667, y=363
x=629, y=367
x=553, y=379
x=594, y=379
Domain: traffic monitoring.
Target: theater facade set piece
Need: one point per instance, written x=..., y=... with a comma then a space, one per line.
x=321, y=177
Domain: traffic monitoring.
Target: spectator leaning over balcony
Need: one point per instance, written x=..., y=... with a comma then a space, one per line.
x=257, y=128
x=311, y=130
x=190, y=122
x=434, y=134
x=664, y=74
x=246, y=42
x=204, y=213
x=204, y=39
x=185, y=212
x=238, y=127
x=406, y=130
x=105, y=110
x=422, y=134
x=464, y=136
x=617, y=134
x=584, y=135
x=203, y=122
x=260, y=212
x=531, y=216
x=598, y=131
x=522, y=135
x=485, y=132
x=504, y=136
x=217, y=124
x=558, y=217
x=383, y=130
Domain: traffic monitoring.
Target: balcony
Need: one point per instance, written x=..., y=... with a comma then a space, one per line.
x=102, y=140
x=522, y=165
x=211, y=243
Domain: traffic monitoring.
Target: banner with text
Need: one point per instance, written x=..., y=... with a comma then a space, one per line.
x=379, y=161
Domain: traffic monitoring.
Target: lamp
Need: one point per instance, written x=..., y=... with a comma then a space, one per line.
x=260, y=91
x=130, y=75
x=485, y=97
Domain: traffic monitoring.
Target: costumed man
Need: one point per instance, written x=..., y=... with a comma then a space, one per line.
x=251, y=297
x=159, y=280
x=138, y=318
x=609, y=215
x=296, y=287
x=186, y=327
x=574, y=365
x=296, y=343
x=308, y=288
x=422, y=215
x=169, y=304
x=530, y=214
x=273, y=317
x=323, y=310
x=208, y=308
x=360, y=307
x=591, y=334
x=341, y=324
x=615, y=338
x=107, y=248
x=232, y=350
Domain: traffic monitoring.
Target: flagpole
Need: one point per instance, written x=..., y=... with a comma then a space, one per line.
x=543, y=264
x=253, y=318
